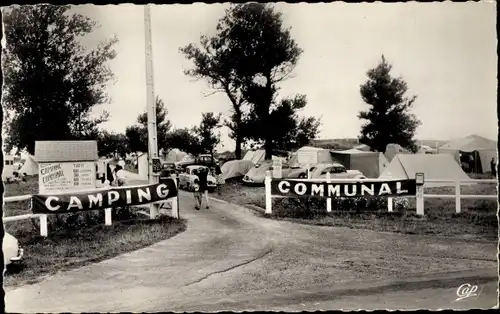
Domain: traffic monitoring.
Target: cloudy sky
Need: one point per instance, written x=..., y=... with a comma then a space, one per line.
x=445, y=51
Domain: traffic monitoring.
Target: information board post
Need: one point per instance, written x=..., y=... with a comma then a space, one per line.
x=277, y=168
x=328, y=200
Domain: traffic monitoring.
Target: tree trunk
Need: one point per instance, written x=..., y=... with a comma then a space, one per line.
x=268, y=146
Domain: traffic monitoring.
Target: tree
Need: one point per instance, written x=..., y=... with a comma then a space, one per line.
x=138, y=134
x=389, y=119
x=214, y=62
x=207, y=133
x=290, y=131
x=52, y=83
x=111, y=143
x=184, y=140
x=267, y=56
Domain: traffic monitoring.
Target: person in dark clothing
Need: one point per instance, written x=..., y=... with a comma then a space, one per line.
x=201, y=187
x=493, y=167
x=109, y=174
x=218, y=176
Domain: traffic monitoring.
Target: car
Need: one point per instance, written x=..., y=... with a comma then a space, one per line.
x=336, y=170
x=187, y=178
x=257, y=174
x=12, y=251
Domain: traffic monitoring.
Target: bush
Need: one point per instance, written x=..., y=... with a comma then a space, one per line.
x=311, y=207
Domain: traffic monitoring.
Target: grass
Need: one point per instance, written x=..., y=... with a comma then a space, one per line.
x=79, y=239
x=477, y=220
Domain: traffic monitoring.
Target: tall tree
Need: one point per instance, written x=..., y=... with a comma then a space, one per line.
x=207, y=132
x=138, y=134
x=290, y=130
x=389, y=117
x=184, y=140
x=111, y=143
x=52, y=83
x=267, y=56
x=214, y=62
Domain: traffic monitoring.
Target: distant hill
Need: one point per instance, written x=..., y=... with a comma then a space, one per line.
x=348, y=143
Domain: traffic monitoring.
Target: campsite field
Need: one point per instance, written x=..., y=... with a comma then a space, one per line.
x=76, y=239
x=477, y=220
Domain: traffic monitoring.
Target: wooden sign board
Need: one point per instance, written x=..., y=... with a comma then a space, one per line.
x=277, y=168
x=66, y=176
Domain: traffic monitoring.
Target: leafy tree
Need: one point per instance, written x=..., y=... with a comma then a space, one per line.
x=207, y=133
x=52, y=83
x=267, y=56
x=138, y=134
x=290, y=131
x=214, y=62
x=184, y=140
x=110, y=143
x=389, y=119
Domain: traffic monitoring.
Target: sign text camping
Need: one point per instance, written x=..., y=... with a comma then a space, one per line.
x=100, y=199
x=296, y=188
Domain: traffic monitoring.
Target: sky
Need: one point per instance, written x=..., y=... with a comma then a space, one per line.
x=446, y=52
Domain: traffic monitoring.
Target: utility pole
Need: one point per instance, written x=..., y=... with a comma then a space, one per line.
x=151, y=106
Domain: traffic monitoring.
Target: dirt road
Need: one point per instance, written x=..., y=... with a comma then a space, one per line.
x=230, y=259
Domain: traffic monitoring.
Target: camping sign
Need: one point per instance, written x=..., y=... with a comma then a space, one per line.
x=66, y=176
x=57, y=203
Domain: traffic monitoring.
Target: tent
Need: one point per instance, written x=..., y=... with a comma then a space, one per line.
x=434, y=166
x=363, y=147
x=371, y=164
x=143, y=166
x=174, y=155
x=391, y=150
x=249, y=155
x=481, y=149
x=8, y=166
x=321, y=155
x=30, y=166
x=236, y=168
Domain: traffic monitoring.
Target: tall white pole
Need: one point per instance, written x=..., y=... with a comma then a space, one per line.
x=151, y=104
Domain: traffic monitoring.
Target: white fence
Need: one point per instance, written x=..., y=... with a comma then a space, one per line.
x=420, y=197
x=107, y=212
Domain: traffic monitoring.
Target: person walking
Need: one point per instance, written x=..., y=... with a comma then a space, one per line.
x=218, y=176
x=493, y=167
x=200, y=187
x=120, y=175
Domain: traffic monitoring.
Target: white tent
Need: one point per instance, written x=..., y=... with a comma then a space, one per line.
x=434, y=166
x=143, y=166
x=391, y=150
x=371, y=164
x=485, y=148
x=319, y=155
x=175, y=155
x=236, y=168
x=249, y=155
x=30, y=166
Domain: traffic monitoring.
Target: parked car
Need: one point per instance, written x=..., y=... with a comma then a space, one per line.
x=12, y=252
x=187, y=178
x=336, y=170
x=257, y=174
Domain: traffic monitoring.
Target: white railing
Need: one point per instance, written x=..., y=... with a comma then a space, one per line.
x=43, y=217
x=420, y=198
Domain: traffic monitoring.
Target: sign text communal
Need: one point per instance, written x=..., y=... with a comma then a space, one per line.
x=100, y=199
x=296, y=188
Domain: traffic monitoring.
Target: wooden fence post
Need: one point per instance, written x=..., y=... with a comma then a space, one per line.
x=420, y=194
x=458, y=199
x=269, y=200
x=107, y=217
x=43, y=226
x=390, y=204
x=175, y=208
x=328, y=200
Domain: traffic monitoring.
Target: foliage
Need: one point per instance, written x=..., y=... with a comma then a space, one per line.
x=52, y=83
x=389, y=119
x=137, y=134
x=289, y=130
x=207, y=133
x=184, y=140
x=109, y=143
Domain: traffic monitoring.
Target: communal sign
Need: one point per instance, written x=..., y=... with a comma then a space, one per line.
x=296, y=188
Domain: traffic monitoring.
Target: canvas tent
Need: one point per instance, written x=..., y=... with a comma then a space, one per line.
x=174, y=155
x=391, y=150
x=371, y=164
x=321, y=155
x=249, y=155
x=236, y=168
x=435, y=166
x=30, y=166
x=481, y=149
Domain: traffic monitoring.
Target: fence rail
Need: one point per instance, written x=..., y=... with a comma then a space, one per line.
x=43, y=217
x=457, y=184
